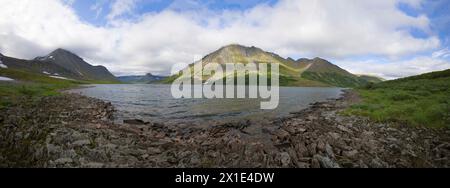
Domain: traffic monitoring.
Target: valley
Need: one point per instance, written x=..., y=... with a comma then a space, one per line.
x=375, y=123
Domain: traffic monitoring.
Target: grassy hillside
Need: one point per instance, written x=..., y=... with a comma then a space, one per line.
x=422, y=100
x=335, y=79
x=303, y=72
x=61, y=63
x=321, y=70
x=32, y=85
x=372, y=79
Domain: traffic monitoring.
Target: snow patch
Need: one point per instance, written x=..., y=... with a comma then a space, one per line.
x=5, y=79
x=60, y=77
x=45, y=72
x=56, y=74
x=3, y=65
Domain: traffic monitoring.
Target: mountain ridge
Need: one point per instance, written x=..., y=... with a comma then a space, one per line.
x=61, y=63
x=148, y=78
x=301, y=72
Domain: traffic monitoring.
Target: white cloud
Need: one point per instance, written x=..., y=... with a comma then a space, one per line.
x=396, y=69
x=98, y=8
x=153, y=42
x=443, y=53
x=69, y=2
x=121, y=7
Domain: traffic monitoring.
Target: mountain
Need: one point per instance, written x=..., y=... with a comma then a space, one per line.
x=373, y=79
x=61, y=64
x=301, y=72
x=422, y=100
x=323, y=71
x=141, y=79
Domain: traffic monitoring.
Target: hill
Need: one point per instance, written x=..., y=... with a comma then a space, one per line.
x=61, y=64
x=141, y=79
x=418, y=100
x=302, y=72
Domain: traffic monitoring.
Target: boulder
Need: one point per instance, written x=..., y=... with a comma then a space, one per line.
x=135, y=122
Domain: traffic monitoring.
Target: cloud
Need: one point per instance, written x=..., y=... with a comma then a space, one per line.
x=69, y=2
x=443, y=53
x=121, y=7
x=155, y=41
x=396, y=69
x=98, y=8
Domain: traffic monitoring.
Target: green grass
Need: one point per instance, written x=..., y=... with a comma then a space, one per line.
x=32, y=86
x=418, y=101
x=287, y=77
x=335, y=79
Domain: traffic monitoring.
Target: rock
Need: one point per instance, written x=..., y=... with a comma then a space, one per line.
x=321, y=145
x=315, y=163
x=62, y=161
x=164, y=143
x=377, y=163
x=329, y=150
x=80, y=143
x=110, y=146
x=282, y=134
x=94, y=165
x=195, y=160
x=312, y=148
x=303, y=165
x=350, y=154
x=135, y=122
x=392, y=139
x=391, y=129
x=285, y=159
x=145, y=156
x=334, y=135
x=158, y=125
x=326, y=162
x=153, y=151
x=368, y=134
x=52, y=149
x=301, y=149
x=342, y=128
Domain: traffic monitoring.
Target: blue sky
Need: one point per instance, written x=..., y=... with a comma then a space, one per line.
x=87, y=9
x=387, y=38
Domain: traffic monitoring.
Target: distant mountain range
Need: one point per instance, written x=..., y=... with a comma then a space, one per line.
x=301, y=72
x=141, y=79
x=63, y=64
x=60, y=64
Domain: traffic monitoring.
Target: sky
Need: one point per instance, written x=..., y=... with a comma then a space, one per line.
x=386, y=38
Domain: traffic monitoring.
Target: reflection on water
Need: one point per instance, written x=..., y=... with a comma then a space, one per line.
x=155, y=103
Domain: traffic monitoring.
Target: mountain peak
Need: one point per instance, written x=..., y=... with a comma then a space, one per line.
x=233, y=46
x=229, y=52
x=319, y=59
x=239, y=47
x=62, y=51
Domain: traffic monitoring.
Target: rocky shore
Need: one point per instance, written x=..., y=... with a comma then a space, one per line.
x=76, y=131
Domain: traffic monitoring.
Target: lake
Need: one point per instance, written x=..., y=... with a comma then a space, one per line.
x=155, y=103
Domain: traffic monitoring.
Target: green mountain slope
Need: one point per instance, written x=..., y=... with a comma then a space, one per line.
x=323, y=71
x=303, y=72
x=422, y=100
x=373, y=79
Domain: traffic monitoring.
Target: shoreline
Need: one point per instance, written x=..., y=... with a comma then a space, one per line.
x=77, y=131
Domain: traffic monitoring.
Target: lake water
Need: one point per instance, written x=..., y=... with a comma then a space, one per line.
x=155, y=103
